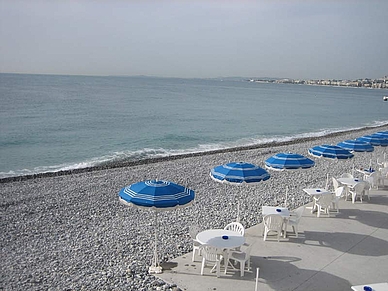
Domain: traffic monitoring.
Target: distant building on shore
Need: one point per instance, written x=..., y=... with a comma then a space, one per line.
x=381, y=83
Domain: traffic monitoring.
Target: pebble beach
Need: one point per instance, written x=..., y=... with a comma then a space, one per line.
x=68, y=231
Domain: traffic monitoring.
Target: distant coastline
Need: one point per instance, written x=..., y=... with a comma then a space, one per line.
x=380, y=83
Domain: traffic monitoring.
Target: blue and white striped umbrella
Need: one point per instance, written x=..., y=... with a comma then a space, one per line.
x=375, y=140
x=356, y=146
x=239, y=173
x=383, y=134
x=157, y=195
x=288, y=161
x=330, y=152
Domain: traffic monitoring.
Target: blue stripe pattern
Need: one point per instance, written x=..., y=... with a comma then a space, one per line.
x=238, y=173
x=374, y=139
x=157, y=194
x=330, y=152
x=288, y=161
x=356, y=146
x=383, y=134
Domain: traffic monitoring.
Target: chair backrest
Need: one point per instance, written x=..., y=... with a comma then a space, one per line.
x=298, y=214
x=325, y=200
x=368, y=183
x=339, y=191
x=359, y=187
x=371, y=180
x=210, y=253
x=347, y=175
x=248, y=251
x=194, y=230
x=273, y=222
x=335, y=183
x=235, y=226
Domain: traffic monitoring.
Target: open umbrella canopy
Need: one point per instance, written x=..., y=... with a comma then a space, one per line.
x=238, y=173
x=288, y=161
x=330, y=152
x=383, y=134
x=356, y=146
x=157, y=195
x=374, y=139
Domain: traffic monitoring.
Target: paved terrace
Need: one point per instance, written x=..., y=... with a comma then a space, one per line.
x=331, y=253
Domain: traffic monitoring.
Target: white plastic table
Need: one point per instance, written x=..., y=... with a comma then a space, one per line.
x=221, y=239
x=374, y=286
x=349, y=183
x=282, y=211
x=316, y=192
x=365, y=172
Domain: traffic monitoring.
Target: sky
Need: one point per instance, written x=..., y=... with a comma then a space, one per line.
x=304, y=39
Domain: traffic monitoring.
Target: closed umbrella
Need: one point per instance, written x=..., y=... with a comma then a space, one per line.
x=239, y=173
x=288, y=162
x=156, y=195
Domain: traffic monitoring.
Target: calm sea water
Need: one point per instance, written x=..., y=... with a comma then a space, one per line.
x=51, y=123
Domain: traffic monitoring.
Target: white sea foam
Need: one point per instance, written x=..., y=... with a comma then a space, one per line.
x=149, y=153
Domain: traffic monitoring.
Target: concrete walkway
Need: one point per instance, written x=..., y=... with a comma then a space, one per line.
x=331, y=253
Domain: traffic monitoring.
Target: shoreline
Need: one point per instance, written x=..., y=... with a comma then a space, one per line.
x=70, y=232
x=120, y=164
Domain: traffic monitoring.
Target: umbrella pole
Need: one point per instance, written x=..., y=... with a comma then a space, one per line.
x=238, y=210
x=285, y=201
x=155, y=268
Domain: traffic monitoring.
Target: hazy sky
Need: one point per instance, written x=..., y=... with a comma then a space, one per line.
x=344, y=39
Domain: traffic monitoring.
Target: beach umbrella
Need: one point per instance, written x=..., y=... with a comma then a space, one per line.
x=156, y=195
x=239, y=173
x=374, y=139
x=356, y=146
x=288, y=162
x=332, y=152
x=383, y=134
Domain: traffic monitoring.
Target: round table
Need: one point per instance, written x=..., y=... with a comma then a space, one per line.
x=214, y=238
x=221, y=239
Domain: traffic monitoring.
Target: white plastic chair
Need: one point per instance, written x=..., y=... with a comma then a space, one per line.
x=335, y=183
x=368, y=186
x=294, y=219
x=211, y=255
x=336, y=197
x=242, y=257
x=236, y=226
x=357, y=190
x=382, y=177
x=272, y=223
x=323, y=204
x=373, y=179
x=197, y=246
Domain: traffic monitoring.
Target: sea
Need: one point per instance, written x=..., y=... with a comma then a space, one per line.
x=52, y=123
